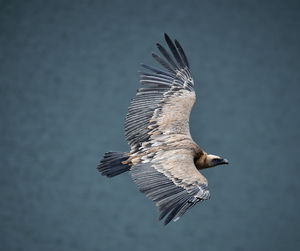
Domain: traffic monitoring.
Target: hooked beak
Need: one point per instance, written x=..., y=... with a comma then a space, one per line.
x=224, y=161
x=219, y=161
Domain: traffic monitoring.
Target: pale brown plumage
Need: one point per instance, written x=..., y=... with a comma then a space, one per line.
x=164, y=159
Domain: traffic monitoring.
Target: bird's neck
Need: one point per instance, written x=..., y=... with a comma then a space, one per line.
x=201, y=161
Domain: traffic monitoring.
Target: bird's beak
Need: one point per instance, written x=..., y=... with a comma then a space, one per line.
x=224, y=161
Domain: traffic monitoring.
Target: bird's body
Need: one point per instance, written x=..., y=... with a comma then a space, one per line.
x=164, y=161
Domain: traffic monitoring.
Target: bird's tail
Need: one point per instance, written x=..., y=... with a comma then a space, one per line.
x=113, y=164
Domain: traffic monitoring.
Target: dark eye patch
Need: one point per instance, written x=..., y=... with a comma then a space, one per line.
x=215, y=160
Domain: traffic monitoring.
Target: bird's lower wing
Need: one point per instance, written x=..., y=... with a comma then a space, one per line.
x=171, y=180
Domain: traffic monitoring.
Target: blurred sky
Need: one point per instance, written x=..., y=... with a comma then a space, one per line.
x=68, y=70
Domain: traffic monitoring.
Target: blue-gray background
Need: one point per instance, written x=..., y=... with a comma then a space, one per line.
x=68, y=70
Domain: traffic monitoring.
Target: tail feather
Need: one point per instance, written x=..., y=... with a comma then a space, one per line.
x=111, y=164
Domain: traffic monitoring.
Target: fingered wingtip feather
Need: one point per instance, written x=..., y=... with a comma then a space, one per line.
x=174, y=51
x=163, y=63
x=166, y=36
x=159, y=46
x=182, y=54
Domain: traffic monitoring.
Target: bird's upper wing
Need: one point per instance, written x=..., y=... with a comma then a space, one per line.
x=171, y=180
x=163, y=106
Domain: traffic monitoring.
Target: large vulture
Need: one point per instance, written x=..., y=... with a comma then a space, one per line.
x=164, y=161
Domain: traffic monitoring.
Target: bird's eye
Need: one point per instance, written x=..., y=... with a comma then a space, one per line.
x=216, y=160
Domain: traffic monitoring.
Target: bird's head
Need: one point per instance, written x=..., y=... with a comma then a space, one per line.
x=209, y=160
x=214, y=160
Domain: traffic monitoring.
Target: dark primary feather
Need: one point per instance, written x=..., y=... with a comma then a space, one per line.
x=167, y=56
x=164, y=63
x=174, y=51
x=182, y=53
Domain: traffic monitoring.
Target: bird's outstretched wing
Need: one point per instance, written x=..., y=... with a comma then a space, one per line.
x=163, y=106
x=171, y=180
x=157, y=129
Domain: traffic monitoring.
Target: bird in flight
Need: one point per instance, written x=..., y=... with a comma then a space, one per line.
x=164, y=161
